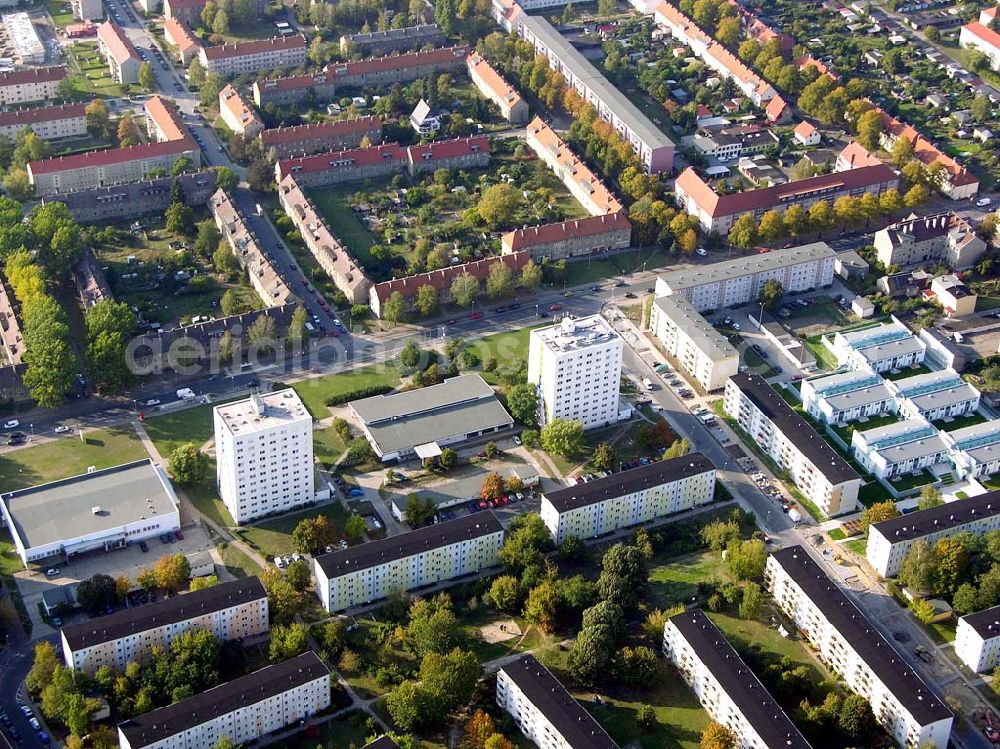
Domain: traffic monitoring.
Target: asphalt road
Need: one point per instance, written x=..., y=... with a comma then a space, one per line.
x=14, y=666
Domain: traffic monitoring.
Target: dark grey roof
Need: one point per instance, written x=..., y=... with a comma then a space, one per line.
x=165, y=611
x=985, y=623
x=943, y=517
x=826, y=460
x=882, y=658
x=384, y=550
x=738, y=681
x=550, y=697
x=383, y=742
x=157, y=725
x=633, y=480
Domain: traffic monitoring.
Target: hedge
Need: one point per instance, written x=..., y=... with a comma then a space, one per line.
x=341, y=398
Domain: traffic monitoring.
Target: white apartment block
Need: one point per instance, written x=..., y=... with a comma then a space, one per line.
x=882, y=347
x=377, y=569
x=231, y=611
x=845, y=640
x=264, y=454
x=729, y=691
x=730, y=284
x=48, y=123
x=896, y=449
x=975, y=450
x=704, y=352
x=254, y=56
x=889, y=541
x=847, y=396
x=544, y=711
x=934, y=395
x=576, y=365
x=243, y=709
x=977, y=640
x=815, y=467
x=927, y=240
x=31, y=84
x=629, y=498
x=239, y=114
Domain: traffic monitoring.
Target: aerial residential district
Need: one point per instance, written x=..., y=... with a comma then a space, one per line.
x=497, y=374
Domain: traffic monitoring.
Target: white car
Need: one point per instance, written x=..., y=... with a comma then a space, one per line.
x=11, y=424
x=983, y=202
x=737, y=327
x=517, y=440
x=62, y=429
x=701, y=251
x=153, y=402
x=52, y=572
x=279, y=563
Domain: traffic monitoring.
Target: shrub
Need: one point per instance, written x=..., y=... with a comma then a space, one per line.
x=366, y=392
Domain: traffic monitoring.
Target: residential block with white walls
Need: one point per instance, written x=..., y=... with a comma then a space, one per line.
x=242, y=710
x=977, y=640
x=890, y=541
x=846, y=396
x=576, y=367
x=729, y=691
x=815, y=467
x=847, y=642
x=629, y=498
x=730, y=284
x=374, y=570
x=934, y=395
x=975, y=450
x=889, y=345
x=927, y=240
x=231, y=611
x=544, y=711
x=896, y=449
x=704, y=352
x=264, y=454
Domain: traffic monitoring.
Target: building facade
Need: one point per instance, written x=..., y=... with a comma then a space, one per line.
x=629, y=498
x=230, y=610
x=242, y=710
x=492, y=85
x=882, y=347
x=48, y=123
x=31, y=84
x=575, y=366
x=847, y=396
x=391, y=40
x=704, y=352
x=565, y=239
x=435, y=553
x=264, y=455
x=889, y=541
x=238, y=114
x=981, y=37
x=729, y=691
x=894, y=450
x=321, y=137
x=87, y=10
x=178, y=35
x=248, y=58
x=935, y=395
x=815, y=467
x=977, y=640
x=927, y=240
x=847, y=642
x=544, y=711
x=121, y=56
x=975, y=450
x=731, y=284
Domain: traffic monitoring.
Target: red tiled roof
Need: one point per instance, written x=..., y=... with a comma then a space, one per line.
x=448, y=149
x=492, y=79
x=857, y=156
x=985, y=33
x=32, y=75
x=297, y=133
x=254, y=47
x=804, y=129
x=42, y=114
x=181, y=34
x=166, y=119
x=110, y=156
x=442, y=279
x=775, y=108
x=590, y=226
x=239, y=107
x=770, y=197
x=356, y=156
x=117, y=42
x=926, y=151
x=359, y=67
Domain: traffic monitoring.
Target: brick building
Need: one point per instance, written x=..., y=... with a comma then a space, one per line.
x=30, y=84
x=320, y=137
x=578, y=236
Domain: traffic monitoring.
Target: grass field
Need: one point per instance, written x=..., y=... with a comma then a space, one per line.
x=274, y=537
x=205, y=497
x=327, y=446
x=503, y=347
x=238, y=563
x=93, y=78
x=170, y=431
x=69, y=456
x=591, y=271
x=960, y=422
x=61, y=12
x=677, y=580
x=335, y=207
x=315, y=391
x=857, y=545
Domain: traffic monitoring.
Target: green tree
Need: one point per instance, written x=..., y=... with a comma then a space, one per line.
x=225, y=178
x=17, y=185
x=97, y=593
x=128, y=132
x=297, y=574
x=188, y=465
x=917, y=570
x=542, y=606
x=505, y=593
x=981, y=108
x=772, y=225
x=522, y=401
x=499, y=204
x=450, y=678
x=394, y=307
x=354, y=528
x=623, y=577
x=743, y=233
x=172, y=572
x=180, y=219
x=531, y=275
x=297, y=325
x=771, y=293
x=604, y=457
x=500, y=282
x=418, y=510
x=869, y=129
x=207, y=238
x=311, y=534
x=717, y=736
x=42, y=667
x=728, y=31
x=288, y=641
x=929, y=497
x=638, y=666
x=856, y=719
x=409, y=705
x=746, y=559
x=464, y=289
x=224, y=261
x=432, y=627
x=426, y=301
x=196, y=73
x=448, y=459
x=876, y=513
x=526, y=541
x=752, y=602
x=409, y=357
x=97, y=118
x=562, y=437
x=901, y=152
x=645, y=717
x=147, y=77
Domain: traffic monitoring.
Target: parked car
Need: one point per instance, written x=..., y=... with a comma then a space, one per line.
x=62, y=429
x=11, y=424
x=52, y=572
x=143, y=546
x=153, y=402
x=517, y=440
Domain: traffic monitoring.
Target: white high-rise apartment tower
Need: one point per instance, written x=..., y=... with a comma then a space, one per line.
x=264, y=454
x=576, y=367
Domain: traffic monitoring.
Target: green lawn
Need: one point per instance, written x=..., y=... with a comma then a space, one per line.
x=942, y=632
x=874, y=422
x=334, y=206
x=580, y=272
x=873, y=492
x=238, y=563
x=857, y=545
x=960, y=422
x=676, y=581
x=10, y=563
x=274, y=537
x=69, y=456
x=205, y=497
x=503, y=347
x=761, y=638
x=824, y=357
x=906, y=372
x=327, y=446
x=170, y=431
x=315, y=391
x=837, y=534
x=61, y=12
x=907, y=482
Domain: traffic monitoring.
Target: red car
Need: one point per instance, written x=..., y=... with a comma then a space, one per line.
x=475, y=315
x=555, y=307
x=331, y=333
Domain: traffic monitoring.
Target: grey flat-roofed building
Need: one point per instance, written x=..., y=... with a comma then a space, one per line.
x=541, y=706
x=242, y=709
x=105, y=509
x=458, y=409
x=703, y=655
x=866, y=401
x=976, y=449
x=720, y=285
x=702, y=350
x=902, y=447
x=653, y=147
